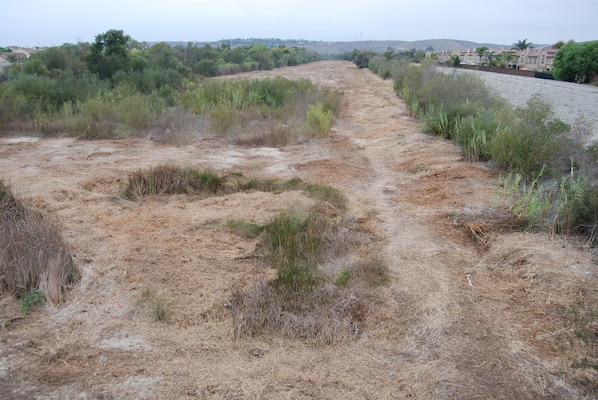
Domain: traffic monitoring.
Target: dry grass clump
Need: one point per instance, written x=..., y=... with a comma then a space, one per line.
x=267, y=133
x=481, y=226
x=169, y=179
x=34, y=260
x=325, y=314
x=155, y=305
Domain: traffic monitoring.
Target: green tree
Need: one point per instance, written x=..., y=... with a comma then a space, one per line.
x=389, y=54
x=109, y=53
x=261, y=54
x=34, y=66
x=481, y=51
x=455, y=60
x=575, y=62
x=162, y=56
x=206, y=67
x=522, y=45
x=501, y=60
x=558, y=44
x=361, y=58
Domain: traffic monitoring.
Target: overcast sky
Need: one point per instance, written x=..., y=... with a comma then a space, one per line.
x=54, y=22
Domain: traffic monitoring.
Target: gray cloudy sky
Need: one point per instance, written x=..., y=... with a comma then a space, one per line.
x=54, y=22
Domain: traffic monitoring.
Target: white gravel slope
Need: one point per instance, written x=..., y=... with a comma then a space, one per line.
x=569, y=100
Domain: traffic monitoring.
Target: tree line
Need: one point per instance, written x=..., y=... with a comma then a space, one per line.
x=117, y=65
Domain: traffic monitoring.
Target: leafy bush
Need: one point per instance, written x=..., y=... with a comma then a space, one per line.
x=100, y=118
x=30, y=299
x=133, y=111
x=318, y=120
x=222, y=118
x=476, y=133
x=531, y=139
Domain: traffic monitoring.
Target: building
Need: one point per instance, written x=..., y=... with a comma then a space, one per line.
x=532, y=59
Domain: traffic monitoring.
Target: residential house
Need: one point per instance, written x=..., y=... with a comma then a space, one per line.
x=18, y=54
x=533, y=59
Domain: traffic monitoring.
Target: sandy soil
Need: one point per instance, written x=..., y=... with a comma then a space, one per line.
x=458, y=320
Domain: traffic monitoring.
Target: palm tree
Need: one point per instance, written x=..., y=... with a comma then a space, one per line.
x=522, y=45
x=481, y=51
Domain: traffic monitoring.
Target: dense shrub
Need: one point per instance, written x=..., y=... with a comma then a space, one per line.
x=267, y=112
x=318, y=120
x=532, y=139
x=117, y=71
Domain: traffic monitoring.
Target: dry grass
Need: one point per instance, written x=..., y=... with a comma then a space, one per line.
x=177, y=127
x=326, y=314
x=170, y=179
x=303, y=301
x=267, y=134
x=34, y=257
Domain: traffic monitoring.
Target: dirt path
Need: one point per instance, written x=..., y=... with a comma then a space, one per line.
x=457, y=321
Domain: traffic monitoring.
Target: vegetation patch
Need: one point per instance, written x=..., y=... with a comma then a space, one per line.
x=117, y=87
x=154, y=304
x=35, y=263
x=580, y=336
x=318, y=120
x=308, y=299
x=168, y=179
x=550, y=170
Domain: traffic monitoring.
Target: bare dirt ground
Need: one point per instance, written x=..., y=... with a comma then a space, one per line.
x=457, y=321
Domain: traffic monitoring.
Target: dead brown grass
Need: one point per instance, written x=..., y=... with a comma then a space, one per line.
x=325, y=314
x=34, y=255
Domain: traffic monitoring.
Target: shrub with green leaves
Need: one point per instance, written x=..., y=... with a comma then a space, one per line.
x=318, y=120
x=134, y=112
x=222, y=118
x=30, y=299
x=531, y=139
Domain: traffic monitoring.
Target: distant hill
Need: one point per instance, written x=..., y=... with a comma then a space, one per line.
x=378, y=46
